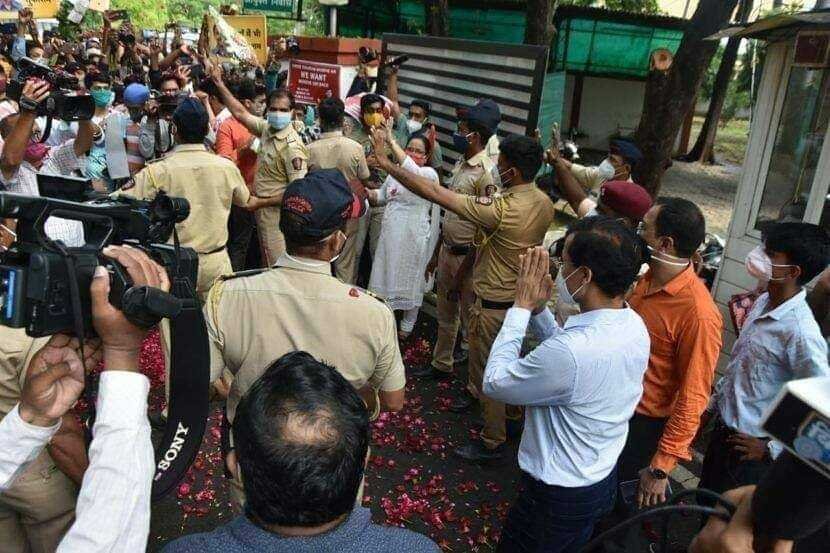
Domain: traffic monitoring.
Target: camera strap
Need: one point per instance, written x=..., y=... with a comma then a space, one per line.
x=189, y=385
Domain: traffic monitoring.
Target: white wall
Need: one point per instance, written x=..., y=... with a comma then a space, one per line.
x=608, y=105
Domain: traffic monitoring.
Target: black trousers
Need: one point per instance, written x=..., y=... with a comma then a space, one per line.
x=644, y=434
x=554, y=519
x=241, y=225
x=723, y=468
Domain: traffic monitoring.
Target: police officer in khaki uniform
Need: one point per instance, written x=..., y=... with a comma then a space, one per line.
x=209, y=182
x=39, y=507
x=507, y=224
x=256, y=317
x=622, y=157
x=474, y=175
x=335, y=151
x=282, y=159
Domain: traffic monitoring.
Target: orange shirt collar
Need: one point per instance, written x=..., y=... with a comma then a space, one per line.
x=675, y=285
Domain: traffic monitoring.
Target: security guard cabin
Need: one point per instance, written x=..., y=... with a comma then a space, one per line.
x=786, y=171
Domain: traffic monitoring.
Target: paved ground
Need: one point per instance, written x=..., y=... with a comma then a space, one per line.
x=412, y=479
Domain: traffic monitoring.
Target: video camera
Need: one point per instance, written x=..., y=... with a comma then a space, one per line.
x=61, y=102
x=44, y=286
x=168, y=104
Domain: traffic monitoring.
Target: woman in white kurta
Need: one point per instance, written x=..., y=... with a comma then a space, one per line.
x=408, y=236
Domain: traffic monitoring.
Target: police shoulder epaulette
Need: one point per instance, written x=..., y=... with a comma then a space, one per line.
x=355, y=291
x=238, y=274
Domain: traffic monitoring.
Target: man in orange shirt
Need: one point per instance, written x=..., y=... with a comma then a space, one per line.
x=235, y=142
x=685, y=328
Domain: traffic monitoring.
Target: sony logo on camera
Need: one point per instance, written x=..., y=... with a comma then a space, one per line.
x=173, y=451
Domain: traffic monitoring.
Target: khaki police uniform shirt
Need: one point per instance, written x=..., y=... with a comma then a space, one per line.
x=210, y=183
x=298, y=306
x=509, y=224
x=588, y=178
x=282, y=158
x=472, y=177
x=335, y=151
x=16, y=352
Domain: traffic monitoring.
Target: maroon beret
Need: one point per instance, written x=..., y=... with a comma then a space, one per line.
x=626, y=198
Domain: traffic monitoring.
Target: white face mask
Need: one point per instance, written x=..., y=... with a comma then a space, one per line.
x=759, y=265
x=682, y=261
x=414, y=126
x=564, y=294
x=606, y=169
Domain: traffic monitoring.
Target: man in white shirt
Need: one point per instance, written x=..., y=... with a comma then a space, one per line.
x=24, y=156
x=113, y=510
x=579, y=386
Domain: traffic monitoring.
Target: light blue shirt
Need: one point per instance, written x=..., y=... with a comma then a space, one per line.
x=773, y=348
x=580, y=386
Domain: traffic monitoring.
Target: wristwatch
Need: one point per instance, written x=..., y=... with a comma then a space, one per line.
x=659, y=474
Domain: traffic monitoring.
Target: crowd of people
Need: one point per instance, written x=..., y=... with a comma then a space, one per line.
x=291, y=208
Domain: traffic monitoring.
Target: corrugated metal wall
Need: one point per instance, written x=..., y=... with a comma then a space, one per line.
x=451, y=72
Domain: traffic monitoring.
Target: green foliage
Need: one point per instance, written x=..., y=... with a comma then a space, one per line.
x=708, y=84
x=633, y=6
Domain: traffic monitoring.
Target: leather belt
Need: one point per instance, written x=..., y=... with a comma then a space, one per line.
x=496, y=305
x=457, y=250
x=217, y=250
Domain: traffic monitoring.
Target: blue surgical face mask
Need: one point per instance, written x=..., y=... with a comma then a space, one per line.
x=278, y=120
x=461, y=141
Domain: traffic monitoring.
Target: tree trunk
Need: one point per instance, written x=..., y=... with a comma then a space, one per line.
x=670, y=94
x=539, y=22
x=437, y=14
x=703, y=150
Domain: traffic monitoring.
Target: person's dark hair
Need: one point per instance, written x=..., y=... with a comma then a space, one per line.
x=302, y=434
x=368, y=99
x=246, y=90
x=609, y=249
x=804, y=244
x=170, y=76
x=683, y=221
x=523, y=153
x=279, y=93
x=30, y=45
x=484, y=132
x=190, y=129
x=331, y=112
x=422, y=137
x=96, y=77
x=421, y=104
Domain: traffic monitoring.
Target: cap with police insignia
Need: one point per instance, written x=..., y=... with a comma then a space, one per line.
x=486, y=113
x=627, y=150
x=317, y=205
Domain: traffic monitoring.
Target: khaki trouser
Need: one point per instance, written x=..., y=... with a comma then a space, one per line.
x=346, y=265
x=38, y=509
x=271, y=239
x=211, y=266
x=375, y=225
x=368, y=227
x=449, y=311
x=483, y=328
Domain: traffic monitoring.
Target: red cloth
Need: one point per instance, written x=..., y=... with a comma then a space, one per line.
x=232, y=141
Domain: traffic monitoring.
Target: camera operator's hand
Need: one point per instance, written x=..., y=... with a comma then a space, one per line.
x=120, y=338
x=55, y=380
x=737, y=536
x=34, y=92
x=24, y=16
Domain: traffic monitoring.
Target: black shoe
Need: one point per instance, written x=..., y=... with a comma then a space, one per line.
x=513, y=427
x=157, y=420
x=428, y=371
x=462, y=404
x=460, y=356
x=477, y=452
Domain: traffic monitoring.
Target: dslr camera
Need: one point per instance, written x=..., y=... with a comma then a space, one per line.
x=63, y=101
x=44, y=285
